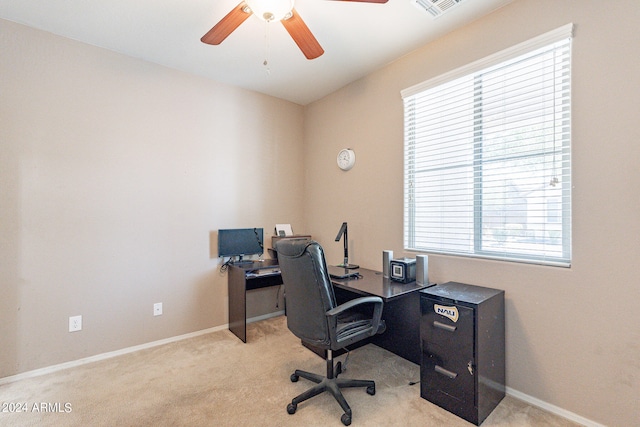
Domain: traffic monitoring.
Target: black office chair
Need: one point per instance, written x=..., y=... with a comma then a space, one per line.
x=314, y=317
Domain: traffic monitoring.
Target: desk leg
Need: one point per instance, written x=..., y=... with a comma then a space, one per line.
x=402, y=318
x=237, y=303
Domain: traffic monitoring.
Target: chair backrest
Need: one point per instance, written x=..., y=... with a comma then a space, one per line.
x=308, y=289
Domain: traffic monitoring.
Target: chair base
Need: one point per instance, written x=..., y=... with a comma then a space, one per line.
x=332, y=385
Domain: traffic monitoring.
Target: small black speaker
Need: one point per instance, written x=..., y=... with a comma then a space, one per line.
x=403, y=270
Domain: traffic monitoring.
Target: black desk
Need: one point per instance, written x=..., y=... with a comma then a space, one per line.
x=244, y=277
x=401, y=311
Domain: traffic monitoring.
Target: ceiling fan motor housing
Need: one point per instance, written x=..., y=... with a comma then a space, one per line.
x=271, y=10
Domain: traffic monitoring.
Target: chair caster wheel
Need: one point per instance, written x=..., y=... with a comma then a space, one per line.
x=371, y=390
x=338, y=370
x=294, y=379
x=291, y=408
x=346, y=419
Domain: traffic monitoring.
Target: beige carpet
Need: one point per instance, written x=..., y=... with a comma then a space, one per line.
x=216, y=380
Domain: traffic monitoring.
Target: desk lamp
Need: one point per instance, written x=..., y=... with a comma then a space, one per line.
x=343, y=231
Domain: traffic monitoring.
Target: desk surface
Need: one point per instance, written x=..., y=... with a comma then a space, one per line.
x=369, y=282
x=372, y=283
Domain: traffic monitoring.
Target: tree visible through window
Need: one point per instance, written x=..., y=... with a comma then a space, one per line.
x=487, y=157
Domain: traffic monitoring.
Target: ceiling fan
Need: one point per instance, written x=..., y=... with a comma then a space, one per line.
x=271, y=10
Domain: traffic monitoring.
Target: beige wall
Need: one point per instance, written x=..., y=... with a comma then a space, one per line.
x=572, y=334
x=115, y=175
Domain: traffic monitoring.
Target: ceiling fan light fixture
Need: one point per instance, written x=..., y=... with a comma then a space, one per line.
x=271, y=10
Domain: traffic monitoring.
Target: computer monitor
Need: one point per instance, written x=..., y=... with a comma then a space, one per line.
x=240, y=242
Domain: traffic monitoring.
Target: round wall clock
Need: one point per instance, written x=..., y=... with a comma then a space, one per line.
x=346, y=159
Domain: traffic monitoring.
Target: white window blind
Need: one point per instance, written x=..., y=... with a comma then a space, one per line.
x=488, y=156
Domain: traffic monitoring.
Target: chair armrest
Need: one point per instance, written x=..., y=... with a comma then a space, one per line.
x=353, y=303
x=376, y=320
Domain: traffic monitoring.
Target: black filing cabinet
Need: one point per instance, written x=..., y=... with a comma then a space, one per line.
x=462, y=349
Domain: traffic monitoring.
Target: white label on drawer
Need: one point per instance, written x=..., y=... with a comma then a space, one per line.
x=450, y=312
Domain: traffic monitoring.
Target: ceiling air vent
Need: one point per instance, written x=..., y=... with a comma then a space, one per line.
x=436, y=8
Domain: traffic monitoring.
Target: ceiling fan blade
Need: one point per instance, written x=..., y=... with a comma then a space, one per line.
x=301, y=34
x=227, y=24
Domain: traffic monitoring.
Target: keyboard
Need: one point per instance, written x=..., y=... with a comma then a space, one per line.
x=263, y=272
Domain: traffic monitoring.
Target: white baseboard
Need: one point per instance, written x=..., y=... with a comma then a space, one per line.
x=265, y=316
x=552, y=408
x=108, y=355
x=50, y=369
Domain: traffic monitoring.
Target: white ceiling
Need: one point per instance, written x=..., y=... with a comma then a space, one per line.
x=358, y=38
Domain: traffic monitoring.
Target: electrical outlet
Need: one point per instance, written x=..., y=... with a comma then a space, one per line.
x=157, y=309
x=75, y=323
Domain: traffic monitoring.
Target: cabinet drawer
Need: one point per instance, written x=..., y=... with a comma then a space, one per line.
x=448, y=361
x=443, y=321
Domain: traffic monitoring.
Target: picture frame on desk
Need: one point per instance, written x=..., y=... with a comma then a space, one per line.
x=284, y=230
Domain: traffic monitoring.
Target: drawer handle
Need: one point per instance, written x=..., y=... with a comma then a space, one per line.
x=445, y=372
x=449, y=328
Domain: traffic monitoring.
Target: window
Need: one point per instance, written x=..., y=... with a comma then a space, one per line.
x=488, y=156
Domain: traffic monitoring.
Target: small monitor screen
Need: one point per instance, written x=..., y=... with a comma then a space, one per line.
x=240, y=242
